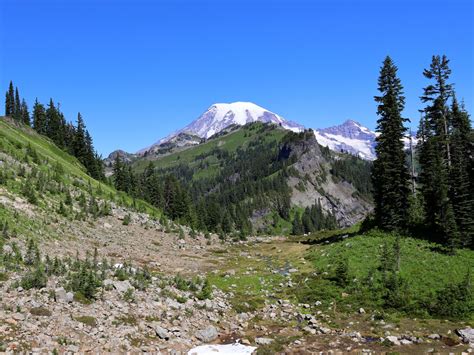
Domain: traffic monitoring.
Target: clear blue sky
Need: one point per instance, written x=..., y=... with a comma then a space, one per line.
x=138, y=70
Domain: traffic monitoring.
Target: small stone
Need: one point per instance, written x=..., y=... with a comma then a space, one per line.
x=310, y=330
x=393, y=339
x=324, y=330
x=19, y=317
x=361, y=310
x=434, y=336
x=263, y=341
x=161, y=332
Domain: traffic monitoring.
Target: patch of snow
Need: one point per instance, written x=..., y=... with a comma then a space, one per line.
x=218, y=349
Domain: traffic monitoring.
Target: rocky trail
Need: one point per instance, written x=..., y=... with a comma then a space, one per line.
x=251, y=303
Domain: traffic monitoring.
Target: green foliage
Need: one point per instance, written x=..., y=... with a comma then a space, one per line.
x=128, y=295
x=35, y=279
x=390, y=177
x=126, y=220
x=85, y=281
x=390, y=273
x=355, y=171
x=32, y=256
x=29, y=192
x=455, y=301
x=445, y=161
x=341, y=275
x=206, y=291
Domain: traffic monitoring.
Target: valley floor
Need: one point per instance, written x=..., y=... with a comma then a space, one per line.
x=254, y=287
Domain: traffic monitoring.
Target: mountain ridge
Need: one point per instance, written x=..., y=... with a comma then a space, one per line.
x=350, y=136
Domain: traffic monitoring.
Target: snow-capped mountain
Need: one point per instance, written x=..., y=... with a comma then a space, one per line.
x=350, y=137
x=353, y=138
x=220, y=116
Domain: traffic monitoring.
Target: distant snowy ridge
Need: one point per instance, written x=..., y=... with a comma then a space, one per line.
x=353, y=138
x=222, y=115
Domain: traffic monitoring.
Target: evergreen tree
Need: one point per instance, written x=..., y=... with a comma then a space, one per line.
x=120, y=180
x=297, y=225
x=10, y=100
x=390, y=175
x=79, y=148
x=55, y=124
x=435, y=154
x=462, y=164
x=25, y=114
x=17, y=110
x=39, y=118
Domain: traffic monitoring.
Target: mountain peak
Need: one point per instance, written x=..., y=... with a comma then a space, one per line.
x=222, y=115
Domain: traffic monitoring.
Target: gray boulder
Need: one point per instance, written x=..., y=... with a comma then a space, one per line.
x=161, y=332
x=466, y=334
x=122, y=286
x=393, y=340
x=207, y=334
x=60, y=294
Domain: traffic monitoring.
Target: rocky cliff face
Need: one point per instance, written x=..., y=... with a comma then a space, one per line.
x=315, y=183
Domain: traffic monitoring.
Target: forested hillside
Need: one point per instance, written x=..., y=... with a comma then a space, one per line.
x=250, y=180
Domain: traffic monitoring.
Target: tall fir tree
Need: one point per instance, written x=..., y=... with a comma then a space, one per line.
x=10, y=100
x=435, y=154
x=17, y=111
x=390, y=175
x=25, y=114
x=462, y=164
x=120, y=178
x=79, y=143
x=39, y=118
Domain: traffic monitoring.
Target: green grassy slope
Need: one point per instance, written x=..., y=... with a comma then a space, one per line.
x=203, y=153
x=427, y=274
x=38, y=171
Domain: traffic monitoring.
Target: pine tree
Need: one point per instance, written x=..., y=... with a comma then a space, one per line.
x=10, y=101
x=390, y=175
x=297, y=228
x=17, y=111
x=25, y=114
x=79, y=143
x=39, y=118
x=435, y=154
x=462, y=163
x=119, y=174
x=55, y=124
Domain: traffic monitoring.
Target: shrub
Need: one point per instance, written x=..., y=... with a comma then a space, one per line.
x=85, y=282
x=128, y=295
x=455, y=300
x=36, y=279
x=206, y=291
x=126, y=220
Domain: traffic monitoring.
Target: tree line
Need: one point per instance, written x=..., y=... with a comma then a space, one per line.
x=441, y=204
x=50, y=122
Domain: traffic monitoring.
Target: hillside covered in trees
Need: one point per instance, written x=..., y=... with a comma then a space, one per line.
x=251, y=180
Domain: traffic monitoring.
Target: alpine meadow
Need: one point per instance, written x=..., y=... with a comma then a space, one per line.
x=175, y=215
